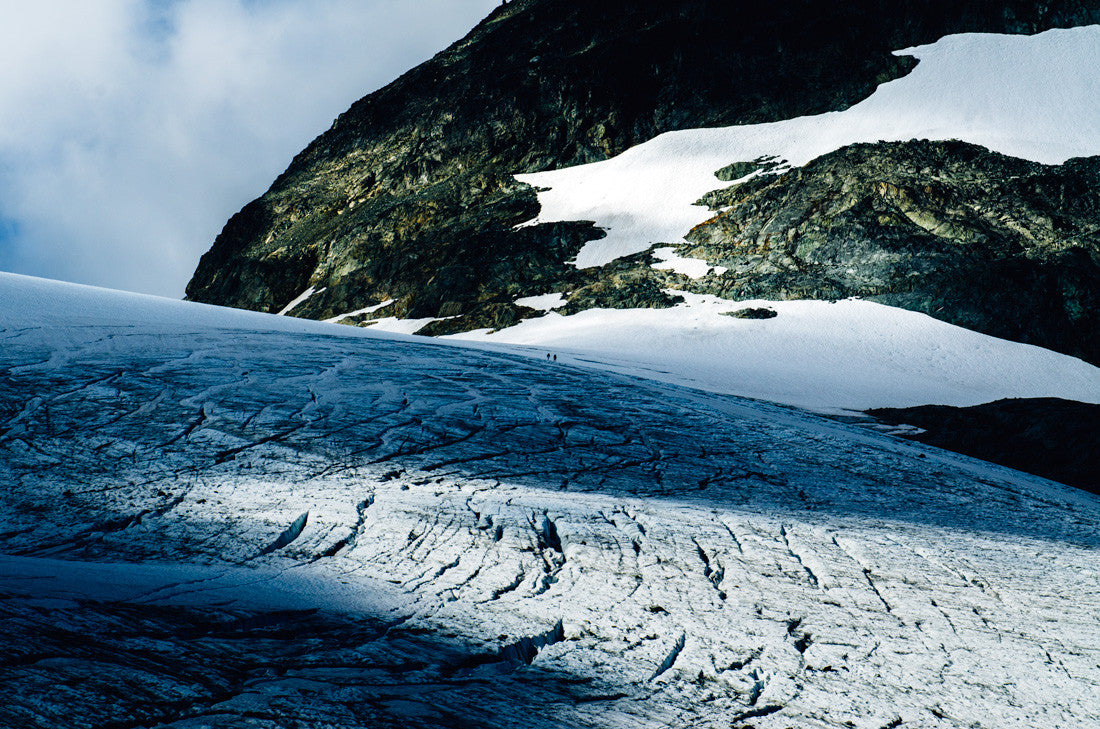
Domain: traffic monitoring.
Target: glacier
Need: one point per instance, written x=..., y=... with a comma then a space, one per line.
x=222, y=518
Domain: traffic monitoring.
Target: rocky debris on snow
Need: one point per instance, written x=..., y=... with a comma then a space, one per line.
x=753, y=312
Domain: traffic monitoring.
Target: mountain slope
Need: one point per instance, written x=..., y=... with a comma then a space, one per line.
x=410, y=199
x=831, y=357
x=218, y=517
x=995, y=243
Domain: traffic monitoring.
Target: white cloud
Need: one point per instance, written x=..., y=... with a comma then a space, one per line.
x=130, y=130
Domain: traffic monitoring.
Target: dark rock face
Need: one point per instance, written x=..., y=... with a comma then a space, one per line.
x=410, y=195
x=992, y=243
x=753, y=313
x=1056, y=439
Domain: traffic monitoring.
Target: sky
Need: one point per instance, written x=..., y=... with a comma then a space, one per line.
x=131, y=130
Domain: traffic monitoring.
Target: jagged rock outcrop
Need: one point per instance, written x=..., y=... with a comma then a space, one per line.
x=992, y=243
x=410, y=196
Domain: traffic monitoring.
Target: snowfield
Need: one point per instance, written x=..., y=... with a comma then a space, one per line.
x=219, y=518
x=1025, y=96
x=828, y=357
x=825, y=356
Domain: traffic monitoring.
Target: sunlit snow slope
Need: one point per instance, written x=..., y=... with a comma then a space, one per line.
x=214, y=518
x=830, y=357
x=1033, y=97
x=826, y=356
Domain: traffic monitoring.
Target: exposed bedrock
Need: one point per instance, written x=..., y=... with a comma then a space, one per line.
x=992, y=243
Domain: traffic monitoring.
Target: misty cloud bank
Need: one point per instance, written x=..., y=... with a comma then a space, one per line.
x=130, y=130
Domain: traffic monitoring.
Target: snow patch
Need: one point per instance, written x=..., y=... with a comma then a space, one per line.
x=393, y=325
x=543, y=302
x=1026, y=96
x=691, y=267
x=360, y=312
x=527, y=223
x=847, y=355
x=299, y=300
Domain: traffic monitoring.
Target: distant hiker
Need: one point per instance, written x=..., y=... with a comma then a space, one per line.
x=547, y=356
x=555, y=358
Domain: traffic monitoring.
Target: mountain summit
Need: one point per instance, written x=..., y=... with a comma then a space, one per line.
x=409, y=208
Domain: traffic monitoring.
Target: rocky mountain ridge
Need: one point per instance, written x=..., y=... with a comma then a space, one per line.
x=410, y=198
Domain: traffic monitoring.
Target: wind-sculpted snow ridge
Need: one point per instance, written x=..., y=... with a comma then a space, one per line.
x=214, y=525
x=1025, y=96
